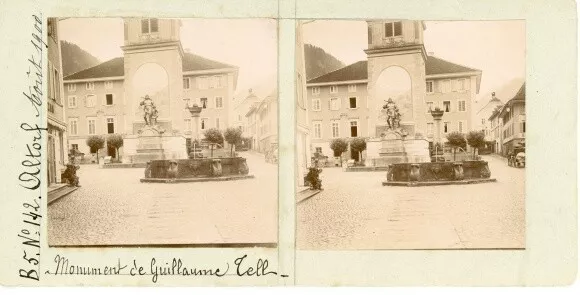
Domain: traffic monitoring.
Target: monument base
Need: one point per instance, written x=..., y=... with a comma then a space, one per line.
x=395, y=147
x=153, y=144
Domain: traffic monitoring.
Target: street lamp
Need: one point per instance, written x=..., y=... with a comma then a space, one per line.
x=437, y=114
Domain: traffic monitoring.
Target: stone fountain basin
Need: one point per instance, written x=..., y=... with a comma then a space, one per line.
x=438, y=173
x=195, y=170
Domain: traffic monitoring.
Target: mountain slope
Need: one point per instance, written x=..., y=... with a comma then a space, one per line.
x=75, y=59
x=319, y=62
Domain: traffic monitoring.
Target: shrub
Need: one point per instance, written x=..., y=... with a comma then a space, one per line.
x=456, y=140
x=233, y=136
x=96, y=143
x=339, y=146
x=358, y=145
x=213, y=135
x=115, y=141
x=476, y=139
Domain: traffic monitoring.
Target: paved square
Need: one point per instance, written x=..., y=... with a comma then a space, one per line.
x=113, y=208
x=355, y=211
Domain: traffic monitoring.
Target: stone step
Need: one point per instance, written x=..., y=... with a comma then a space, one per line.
x=59, y=193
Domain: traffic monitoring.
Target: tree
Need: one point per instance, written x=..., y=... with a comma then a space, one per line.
x=476, y=139
x=115, y=141
x=339, y=146
x=358, y=145
x=96, y=143
x=233, y=136
x=455, y=140
x=213, y=136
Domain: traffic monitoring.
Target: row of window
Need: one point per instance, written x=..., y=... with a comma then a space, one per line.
x=205, y=82
x=91, y=126
x=449, y=85
x=446, y=127
x=335, y=103
x=203, y=124
x=72, y=87
x=446, y=107
x=335, y=129
x=334, y=89
x=90, y=100
x=218, y=102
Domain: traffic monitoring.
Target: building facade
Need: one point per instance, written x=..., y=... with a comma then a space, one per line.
x=262, y=124
x=56, y=111
x=347, y=102
x=303, y=132
x=509, y=123
x=105, y=99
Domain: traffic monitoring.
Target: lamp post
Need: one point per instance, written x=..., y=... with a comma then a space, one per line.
x=194, y=110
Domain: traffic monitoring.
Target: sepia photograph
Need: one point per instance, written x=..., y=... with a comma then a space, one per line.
x=411, y=134
x=162, y=132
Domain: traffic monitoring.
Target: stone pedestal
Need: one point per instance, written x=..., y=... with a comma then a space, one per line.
x=393, y=148
x=152, y=143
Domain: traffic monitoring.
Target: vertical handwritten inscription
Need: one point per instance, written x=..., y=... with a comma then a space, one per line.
x=30, y=175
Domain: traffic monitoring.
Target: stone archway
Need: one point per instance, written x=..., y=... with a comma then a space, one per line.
x=150, y=79
x=393, y=82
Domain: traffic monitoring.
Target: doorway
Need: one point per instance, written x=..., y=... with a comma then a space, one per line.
x=51, y=160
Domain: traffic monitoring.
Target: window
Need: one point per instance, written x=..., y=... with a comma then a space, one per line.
x=483, y=122
x=446, y=126
x=203, y=102
x=460, y=126
x=319, y=149
x=214, y=82
x=186, y=83
x=202, y=83
x=74, y=128
x=219, y=102
x=353, y=102
x=110, y=125
x=72, y=87
x=429, y=106
x=393, y=29
x=334, y=104
x=316, y=104
x=461, y=107
x=56, y=81
x=92, y=125
x=464, y=84
x=108, y=84
x=149, y=25
x=75, y=146
x=315, y=90
x=429, y=128
x=353, y=128
x=217, y=123
x=109, y=99
x=445, y=86
x=204, y=123
x=523, y=127
x=370, y=34
x=333, y=89
x=91, y=100
x=72, y=101
x=447, y=106
x=187, y=124
x=90, y=86
x=317, y=130
x=352, y=88
x=334, y=127
x=429, y=86
x=455, y=85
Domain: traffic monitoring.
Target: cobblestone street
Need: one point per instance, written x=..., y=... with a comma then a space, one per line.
x=354, y=211
x=113, y=208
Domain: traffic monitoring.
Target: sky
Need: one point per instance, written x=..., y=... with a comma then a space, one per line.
x=250, y=44
x=497, y=48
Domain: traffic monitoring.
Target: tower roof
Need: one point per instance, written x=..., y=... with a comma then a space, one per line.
x=116, y=67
